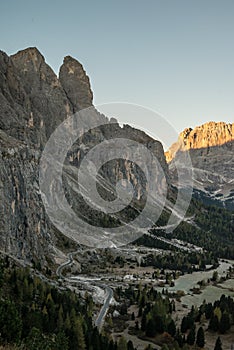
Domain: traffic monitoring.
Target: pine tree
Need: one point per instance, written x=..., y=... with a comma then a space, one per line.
x=67, y=324
x=130, y=345
x=200, y=338
x=140, y=312
x=60, y=317
x=79, y=335
x=214, y=323
x=184, y=324
x=150, y=328
x=172, y=328
x=191, y=336
x=159, y=326
x=215, y=276
x=208, y=310
x=143, y=321
x=218, y=313
x=179, y=339
x=218, y=344
x=224, y=323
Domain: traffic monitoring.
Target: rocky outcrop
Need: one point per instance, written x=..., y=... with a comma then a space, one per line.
x=211, y=148
x=48, y=104
x=33, y=102
x=211, y=134
x=76, y=84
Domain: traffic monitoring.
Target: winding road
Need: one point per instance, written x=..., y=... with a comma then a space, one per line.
x=108, y=291
x=102, y=314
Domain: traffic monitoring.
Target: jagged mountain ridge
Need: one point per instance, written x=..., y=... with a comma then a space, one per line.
x=211, y=148
x=34, y=101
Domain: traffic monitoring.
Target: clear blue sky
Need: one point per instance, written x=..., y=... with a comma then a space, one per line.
x=174, y=56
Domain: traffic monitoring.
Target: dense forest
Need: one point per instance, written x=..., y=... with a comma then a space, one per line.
x=186, y=262
x=35, y=315
x=210, y=227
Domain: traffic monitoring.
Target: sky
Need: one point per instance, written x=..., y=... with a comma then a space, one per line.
x=175, y=57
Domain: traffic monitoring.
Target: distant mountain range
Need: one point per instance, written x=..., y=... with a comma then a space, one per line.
x=211, y=148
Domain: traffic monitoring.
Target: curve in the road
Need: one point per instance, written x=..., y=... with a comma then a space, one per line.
x=109, y=292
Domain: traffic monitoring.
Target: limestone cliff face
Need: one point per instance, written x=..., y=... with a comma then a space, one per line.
x=33, y=102
x=211, y=134
x=25, y=231
x=211, y=148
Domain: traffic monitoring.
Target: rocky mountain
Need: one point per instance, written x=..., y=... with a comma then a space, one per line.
x=33, y=103
x=211, y=148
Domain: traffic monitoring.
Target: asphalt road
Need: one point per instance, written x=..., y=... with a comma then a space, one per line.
x=101, y=316
x=109, y=292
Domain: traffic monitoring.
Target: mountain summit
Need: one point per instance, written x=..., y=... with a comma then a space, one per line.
x=211, y=148
x=208, y=135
